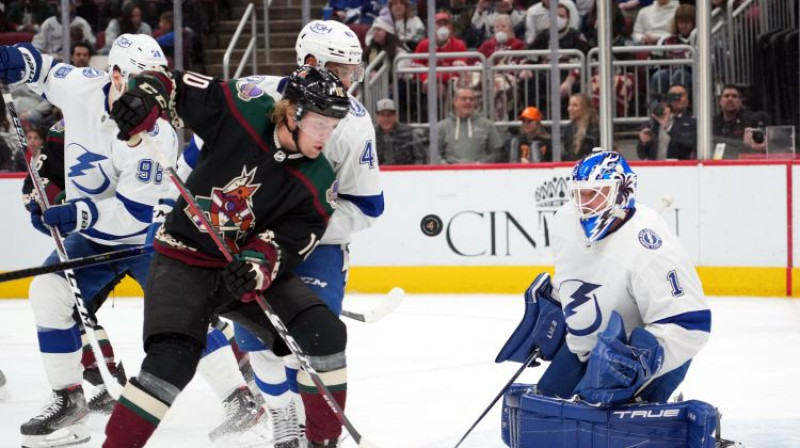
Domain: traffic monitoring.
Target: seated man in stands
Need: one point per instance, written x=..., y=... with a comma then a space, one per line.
x=48, y=39
x=672, y=131
x=654, y=22
x=734, y=125
x=467, y=137
x=396, y=143
x=81, y=54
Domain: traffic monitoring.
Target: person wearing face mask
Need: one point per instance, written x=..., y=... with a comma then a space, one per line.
x=504, y=82
x=488, y=10
x=537, y=18
x=445, y=43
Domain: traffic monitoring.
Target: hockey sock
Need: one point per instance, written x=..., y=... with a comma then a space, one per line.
x=88, y=359
x=270, y=376
x=321, y=423
x=292, y=366
x=241, y=356
x=218, y=366
x=141, y=407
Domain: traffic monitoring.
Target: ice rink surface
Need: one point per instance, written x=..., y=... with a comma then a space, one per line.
x=421, y=376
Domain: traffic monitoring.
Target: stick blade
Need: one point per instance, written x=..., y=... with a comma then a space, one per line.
x=389, y=304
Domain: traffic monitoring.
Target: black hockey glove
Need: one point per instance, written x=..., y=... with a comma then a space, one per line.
x=247, y=274
x=145, y=101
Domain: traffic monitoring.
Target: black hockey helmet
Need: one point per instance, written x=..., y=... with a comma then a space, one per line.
x=318, y=91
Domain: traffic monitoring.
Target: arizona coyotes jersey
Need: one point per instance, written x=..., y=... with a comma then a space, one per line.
x=256, y=194
x=124, y=182
x=642, y=272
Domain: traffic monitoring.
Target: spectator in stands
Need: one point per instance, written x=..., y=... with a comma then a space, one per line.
x=396, y=143
x=672, y=134
x=683, y=33
x=352, y=11
x=130, y=22
x=505, y=83
x=537, y=19
x=381, y=37
x=48, y=39
x=408, y=26
x=462, y=12
x=445, y=43
x=28, y=15
x=484, y=17
x=733, y=126
x=164, y=34
x=33, y=109
x=618, y=38
x=631, y=8
x=467, y=137
x=583, y=132
x=533, y=144
x=654, y=22
x=81, y=54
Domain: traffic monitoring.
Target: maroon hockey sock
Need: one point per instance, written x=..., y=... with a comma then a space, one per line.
x=321, y=423
x=134, y=419
x=88, y=359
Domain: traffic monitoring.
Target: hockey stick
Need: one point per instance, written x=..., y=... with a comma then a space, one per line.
x=273, y=318
x=387, y=305
x=77, y=263
x=531, y=360
x=110, y=382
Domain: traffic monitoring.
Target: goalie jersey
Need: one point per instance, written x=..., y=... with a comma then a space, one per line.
x=124, y=182
x=640, y=271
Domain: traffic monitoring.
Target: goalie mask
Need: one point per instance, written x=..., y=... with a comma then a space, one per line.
x=603, y=189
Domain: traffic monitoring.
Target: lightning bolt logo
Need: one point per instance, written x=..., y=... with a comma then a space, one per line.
x=582, y=295
x=87, y=162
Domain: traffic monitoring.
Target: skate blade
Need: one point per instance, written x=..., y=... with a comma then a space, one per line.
x=69, y=436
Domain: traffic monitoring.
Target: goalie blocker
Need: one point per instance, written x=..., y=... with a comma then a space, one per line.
x=530, y=420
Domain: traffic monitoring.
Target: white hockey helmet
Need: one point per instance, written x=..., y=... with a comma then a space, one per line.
x=328, y=41
x=135, y=53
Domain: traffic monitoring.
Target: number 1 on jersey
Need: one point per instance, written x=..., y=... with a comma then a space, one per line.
x=677, y=291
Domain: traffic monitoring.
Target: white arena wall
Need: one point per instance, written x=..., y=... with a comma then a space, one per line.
x=487, y=231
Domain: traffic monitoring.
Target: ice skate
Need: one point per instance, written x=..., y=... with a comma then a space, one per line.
x=244, y=423
x=286, y=427
x=61, y=423
x=101, y=401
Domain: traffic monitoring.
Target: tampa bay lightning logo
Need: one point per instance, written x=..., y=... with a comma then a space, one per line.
x=356, y=108
x=581, y=292
x=62, y=72
x=91, y=72
x=650, y=239
x=91, y=181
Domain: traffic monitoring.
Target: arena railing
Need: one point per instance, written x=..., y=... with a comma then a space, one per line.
x=249, y=14
x=375, y=85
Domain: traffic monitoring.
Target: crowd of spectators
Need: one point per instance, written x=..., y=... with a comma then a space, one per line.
x=667, y=129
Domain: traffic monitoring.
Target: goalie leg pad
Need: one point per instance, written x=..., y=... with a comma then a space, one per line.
x=555, y=423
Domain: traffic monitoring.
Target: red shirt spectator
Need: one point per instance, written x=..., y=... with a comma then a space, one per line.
x=445, y=43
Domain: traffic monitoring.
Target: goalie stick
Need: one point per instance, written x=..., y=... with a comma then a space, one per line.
x=387, y=305
x=112, y=386
x=530, y=361
x=276, y=322
x=77, y=263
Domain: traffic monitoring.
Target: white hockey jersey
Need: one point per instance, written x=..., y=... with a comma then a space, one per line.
x=124, y=182
x=642, y=272
x=351, y=151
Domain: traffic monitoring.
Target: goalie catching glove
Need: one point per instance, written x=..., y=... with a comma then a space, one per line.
x=146, y=100
x=248, y=274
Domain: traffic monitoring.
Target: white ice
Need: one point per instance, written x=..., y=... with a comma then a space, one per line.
x=420, y=377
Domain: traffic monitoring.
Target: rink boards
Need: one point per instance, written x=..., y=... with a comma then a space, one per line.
x=481, y=229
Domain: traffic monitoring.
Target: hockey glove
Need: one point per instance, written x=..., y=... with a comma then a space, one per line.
x=19, y=63
x=77, y=214
x=36, y=217
x=617, y=370
x=145, y=101
x=247, y=274
x=541, y=327
x=160, y=212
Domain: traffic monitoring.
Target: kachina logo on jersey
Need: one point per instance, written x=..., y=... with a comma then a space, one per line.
x=62, y=72
x=230, y=208
x=581, y=320
x=356, y=108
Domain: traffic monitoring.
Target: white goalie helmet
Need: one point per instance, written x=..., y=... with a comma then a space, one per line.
x=135, y=53
x=328, y=41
